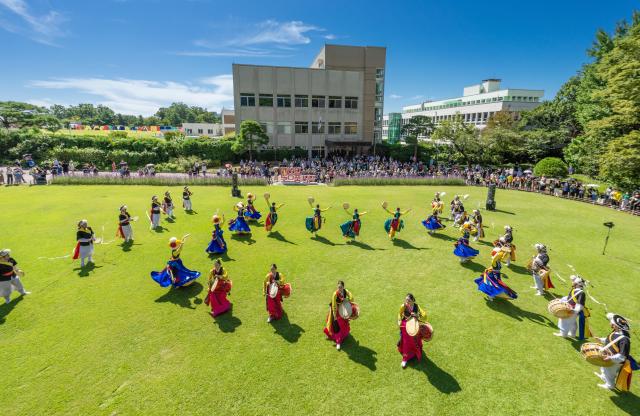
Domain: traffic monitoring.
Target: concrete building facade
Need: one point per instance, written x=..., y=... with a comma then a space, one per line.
x=334, y=105
x=477, y=104
x=228, y=120
x=202, y=129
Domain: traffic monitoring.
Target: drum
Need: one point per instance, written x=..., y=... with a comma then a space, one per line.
x=560, y=309
x=267, y=195
x=355, y=314
x=19, y=273
x=273, y=289
x=345, y=205
x=310, y=200
x=345, y=310
x=412, y=327
x=530, y=264
x=426, y=331
x=385, y=204
x=286, y=290
x=474, y=231
x=591, y=352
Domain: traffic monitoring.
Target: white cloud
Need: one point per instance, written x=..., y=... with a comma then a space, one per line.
x=131, y=96
x=417, y=97
x=274, y=32
x=269, y=39
x=395, y=96
x=41, y=28
x=330, y=36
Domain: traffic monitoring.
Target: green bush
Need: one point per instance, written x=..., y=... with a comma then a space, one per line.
x=155, y=180
x=552, y=167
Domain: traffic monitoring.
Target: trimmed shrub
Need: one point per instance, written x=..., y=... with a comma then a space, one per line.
x=398, y=182
x=551, y=167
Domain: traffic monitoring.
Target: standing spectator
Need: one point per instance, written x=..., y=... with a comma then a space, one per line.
x=65, y=168
x=204, y=169
x=18, y=175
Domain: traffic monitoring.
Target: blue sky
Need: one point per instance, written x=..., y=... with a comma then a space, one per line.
x=136, y=55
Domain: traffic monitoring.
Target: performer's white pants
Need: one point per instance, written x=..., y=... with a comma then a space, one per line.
x=9, y=286
x=187, y=204
x=155, y=220
x=170, y=211
x=568, y=326
x=85, y=253
x=610, y=374
x=538, y=282
x=128, y=232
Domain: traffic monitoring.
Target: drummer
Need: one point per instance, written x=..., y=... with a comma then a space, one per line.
x=540, y=270
x=337, y=327
x=124, y=225
x=477, y=221
x=155, y=212
x=219, y=288
x=436, y=203
x=578, y=321
x=9, y=276
x=617, y=350
x=186, y=199
x=506, y=242
x=274, y=281
x=84, y=245
x=410, y=346
x=168, y=204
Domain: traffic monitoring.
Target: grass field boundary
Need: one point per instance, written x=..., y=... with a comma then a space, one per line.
x=398, y=181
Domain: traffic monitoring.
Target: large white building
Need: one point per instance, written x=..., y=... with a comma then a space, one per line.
x=334, y=105
x=477, y=104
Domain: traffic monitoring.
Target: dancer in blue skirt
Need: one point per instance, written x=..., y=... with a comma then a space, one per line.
x=251, y=213
x=433, y=223
x=175, y=274
x=239, y=225
x=217, y=244
x=351, y=228
x=462, y=247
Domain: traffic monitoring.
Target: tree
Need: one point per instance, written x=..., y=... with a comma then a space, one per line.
x=502, y=145
x=418, y=126
x=251, y=136
x=19, y=115
x=464, y=139
x=501, y=119
x=620, y=164
x=551, y=167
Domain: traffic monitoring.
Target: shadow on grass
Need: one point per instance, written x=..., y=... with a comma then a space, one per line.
x=443, y=237
x=406, y=245
x=288, y=331
x=362, y=245
x=323, y=240
x=170, y=220
x=576, y=343
x=627, y=402
x=439, y=378
x=227, y=322
x=244, y=238
x=277, y=236
x=6, y=308
x=191, y=212
x=516, y=268
x=485, y=243
x=87, y=269
x=126, y=245
x=360, y=354
x=160, y=229
x=510, y=309
x=222, y=256
x=504, y=212
x=181, y=296
x=476, y=267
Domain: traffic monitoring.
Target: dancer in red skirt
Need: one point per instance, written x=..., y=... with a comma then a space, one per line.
x=410, y=346
x=337, y=327
x=274, y=289
x=219, y=288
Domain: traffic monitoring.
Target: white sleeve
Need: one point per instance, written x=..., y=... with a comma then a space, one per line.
x=618, y=358
x=577, y=308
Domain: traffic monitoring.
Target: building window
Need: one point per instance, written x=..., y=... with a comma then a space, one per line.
x=317, y=128
x=317, y=101
x=284, y=127
x=302, y=127
x=334, y=128
x=210, y=131
x=379, y=72
x=189, y=131
x=283, y=100
x=199, y=131
x=302, y=101
x=247, y=100
x=265, y=100
x=351, y=102
x=335, y=102
x=350, y=127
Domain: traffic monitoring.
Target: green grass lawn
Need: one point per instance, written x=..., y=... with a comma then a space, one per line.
x=112, y=342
